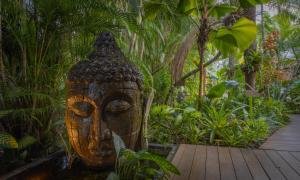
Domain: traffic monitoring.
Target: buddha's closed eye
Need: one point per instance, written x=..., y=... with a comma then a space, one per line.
x=118, y=105
x=83, y=109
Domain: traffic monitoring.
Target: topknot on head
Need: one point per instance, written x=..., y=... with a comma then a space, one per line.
x=105, y=39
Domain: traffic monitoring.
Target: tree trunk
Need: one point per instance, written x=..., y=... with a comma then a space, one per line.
x=201, y=71
x=250, y=79
x=204, y=30
x=134, y=36
x=250, y=76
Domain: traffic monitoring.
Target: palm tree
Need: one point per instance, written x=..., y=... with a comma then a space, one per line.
x=40, y=41
x=250, y=74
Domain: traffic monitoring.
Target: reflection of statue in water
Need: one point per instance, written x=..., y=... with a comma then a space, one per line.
x=104, y=95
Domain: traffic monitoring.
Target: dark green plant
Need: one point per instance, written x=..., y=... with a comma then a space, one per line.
x=175, y=125
x=139, y=165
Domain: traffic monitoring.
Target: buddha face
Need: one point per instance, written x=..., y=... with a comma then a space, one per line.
x=94, y=110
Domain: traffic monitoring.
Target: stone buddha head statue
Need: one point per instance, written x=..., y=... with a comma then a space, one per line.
x=104, y=95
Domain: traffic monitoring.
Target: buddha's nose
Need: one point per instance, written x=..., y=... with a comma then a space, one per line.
x=100, y=143
x=106, y=135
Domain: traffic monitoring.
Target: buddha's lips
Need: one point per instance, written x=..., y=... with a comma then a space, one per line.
x=102, y=150
x=101, y=153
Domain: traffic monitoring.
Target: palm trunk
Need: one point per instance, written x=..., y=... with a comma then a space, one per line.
x=250, y=76
x=201, y=71
x=134, y=36
x=201, y=42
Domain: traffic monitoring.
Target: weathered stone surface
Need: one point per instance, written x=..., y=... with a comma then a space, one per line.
x=104, y=95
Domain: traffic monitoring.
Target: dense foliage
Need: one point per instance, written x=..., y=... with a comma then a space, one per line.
x=232, y=119
x=191, y=53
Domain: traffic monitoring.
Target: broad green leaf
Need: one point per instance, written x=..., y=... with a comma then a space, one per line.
x=164, y=164
x=26, y=141
x=186, y=6
x=226, y=44
x=240, y=36
x=221, y=10
x=244, y=32
x=8, y=141
x=217, y=91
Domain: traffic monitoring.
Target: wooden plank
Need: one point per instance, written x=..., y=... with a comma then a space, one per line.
x=296, y=155
x=226, y=166
x=241, y=170
x=285, y=139
x=267, y=164
x=253, y=164
x=178, y=156
x=186, y=162
x=212, y=163
x=286, y=170
x=292, y=142
x=198, y=167
x=281, y=147
x=294, y=163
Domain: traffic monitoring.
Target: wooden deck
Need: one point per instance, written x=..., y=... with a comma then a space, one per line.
x=277, y=159
x=287, y=138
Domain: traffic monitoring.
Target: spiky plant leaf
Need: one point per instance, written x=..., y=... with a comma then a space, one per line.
x=164, y=164
x=8, y=141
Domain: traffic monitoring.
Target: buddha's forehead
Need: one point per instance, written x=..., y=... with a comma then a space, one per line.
x=99, y=89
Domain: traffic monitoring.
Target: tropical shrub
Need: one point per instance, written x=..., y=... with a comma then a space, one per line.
x=174, y=125
x=227, y=117
x=139, y=165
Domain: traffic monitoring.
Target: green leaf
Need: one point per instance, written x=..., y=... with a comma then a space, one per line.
x=217, y=91
x=8, y=141
x=164, y=164
x=244, y=32
x=4, y=113
x=240, y=36
x=226, y=44
x=247, y=3
x=151, y=171
x=186, y=6
x=118, y=143
x=113, y=176
x=221, y=10
x=152, y=8
x=26, y=141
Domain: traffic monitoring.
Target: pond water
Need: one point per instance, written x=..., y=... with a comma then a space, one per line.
x=55, y=167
